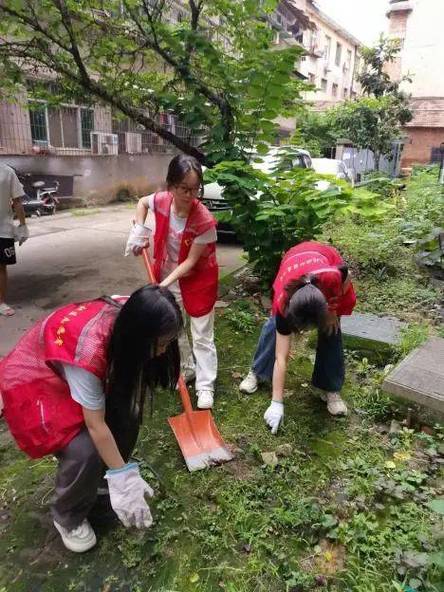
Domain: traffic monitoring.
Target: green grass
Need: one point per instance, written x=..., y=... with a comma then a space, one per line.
x=346, y=511
x=78, y=212
x=244, y=526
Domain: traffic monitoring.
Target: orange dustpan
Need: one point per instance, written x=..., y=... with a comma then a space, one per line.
x=196, y=433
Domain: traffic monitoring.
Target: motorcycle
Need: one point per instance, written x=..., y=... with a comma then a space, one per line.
x=45, y=201
x=38, y=199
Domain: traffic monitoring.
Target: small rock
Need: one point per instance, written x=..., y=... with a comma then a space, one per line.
x=270, y=459
x=246, y=548
x=395, y=427
x=221, y=304
x=284, y=450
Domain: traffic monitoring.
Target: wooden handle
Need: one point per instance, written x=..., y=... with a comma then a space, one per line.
x=183, y=391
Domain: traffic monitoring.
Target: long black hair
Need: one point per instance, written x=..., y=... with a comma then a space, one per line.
x=306, y=304
x=179, y=167
x=150, y=314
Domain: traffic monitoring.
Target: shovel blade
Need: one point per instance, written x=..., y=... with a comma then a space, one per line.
x=199, y=440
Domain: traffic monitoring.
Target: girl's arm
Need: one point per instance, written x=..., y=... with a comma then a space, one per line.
x=102, y=437
x=142, y=209
x=283, y=344
x=186, y=266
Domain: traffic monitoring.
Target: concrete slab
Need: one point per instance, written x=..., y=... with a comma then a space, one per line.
x=368, y=331
x=420, y=376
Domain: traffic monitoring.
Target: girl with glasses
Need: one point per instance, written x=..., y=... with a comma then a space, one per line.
x=185, y=262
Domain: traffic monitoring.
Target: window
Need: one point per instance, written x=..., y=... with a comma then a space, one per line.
x=345, y=93
x=334, y=89
x=327, y=49
x=324, y=84
x=61, y=127
x=86, y=126
x=311, y=78
x=338, y=54
x=349, y=59
x=39, y=124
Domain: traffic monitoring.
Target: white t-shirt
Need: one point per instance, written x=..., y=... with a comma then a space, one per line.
x=10, y=188
x=174, y=239
x=84, y=386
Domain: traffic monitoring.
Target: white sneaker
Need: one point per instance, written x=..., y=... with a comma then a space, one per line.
x=249, y=383
x=78, y=539
x=335, y=404
x=205, y=399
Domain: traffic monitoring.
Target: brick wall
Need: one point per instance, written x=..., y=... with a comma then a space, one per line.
x=418, y=147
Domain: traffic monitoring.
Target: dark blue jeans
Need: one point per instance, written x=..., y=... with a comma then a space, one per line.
x=329, y=368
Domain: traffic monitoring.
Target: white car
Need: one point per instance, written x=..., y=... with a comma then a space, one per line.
x=214, y=200
x=332, y=166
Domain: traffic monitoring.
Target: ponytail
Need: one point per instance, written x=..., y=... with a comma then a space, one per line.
x=306, y=304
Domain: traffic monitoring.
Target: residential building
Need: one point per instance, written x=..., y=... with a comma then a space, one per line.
x=418, y=25
x=332, y=58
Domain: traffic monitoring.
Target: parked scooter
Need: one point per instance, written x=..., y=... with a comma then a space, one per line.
x=38, y=199
x=46, y=200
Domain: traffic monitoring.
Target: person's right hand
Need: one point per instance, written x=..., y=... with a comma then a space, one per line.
x=274, y=415
x=138, y=239
x=21, y=234
x=127, y=492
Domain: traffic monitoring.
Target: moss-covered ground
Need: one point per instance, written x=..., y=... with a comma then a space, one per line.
x=345, y=509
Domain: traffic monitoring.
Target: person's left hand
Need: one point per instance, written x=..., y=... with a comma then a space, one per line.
x=331, y=323
x=21, y=234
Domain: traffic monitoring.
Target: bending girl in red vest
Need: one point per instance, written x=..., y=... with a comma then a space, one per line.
x=312, y=289
x=74, y=387
x=185, y=262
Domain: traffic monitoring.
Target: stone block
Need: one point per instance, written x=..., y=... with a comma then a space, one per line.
x=420, y=376
x=370, y=332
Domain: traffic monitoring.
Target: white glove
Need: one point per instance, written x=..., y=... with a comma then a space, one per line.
x=138, y=239
x=21, y=234
x=127, y=492
x=274, y=415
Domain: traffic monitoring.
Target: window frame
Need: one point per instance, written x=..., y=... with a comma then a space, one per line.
x=338, y=54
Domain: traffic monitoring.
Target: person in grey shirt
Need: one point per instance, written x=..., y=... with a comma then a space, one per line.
x=11, y=191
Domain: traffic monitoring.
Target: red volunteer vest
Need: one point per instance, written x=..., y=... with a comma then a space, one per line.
x=311, y=257
x=199, y=288
x=38, y=407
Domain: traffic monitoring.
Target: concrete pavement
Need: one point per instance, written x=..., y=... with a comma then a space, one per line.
x=71, y=257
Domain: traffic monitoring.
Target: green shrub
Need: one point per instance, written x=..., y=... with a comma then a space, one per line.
x=273, y=212
x=373, y=249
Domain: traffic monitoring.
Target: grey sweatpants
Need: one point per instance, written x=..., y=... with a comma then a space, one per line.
x=81, y=472
x=78, y=477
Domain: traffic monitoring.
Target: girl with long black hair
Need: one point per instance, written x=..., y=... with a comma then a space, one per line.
x=74, y=386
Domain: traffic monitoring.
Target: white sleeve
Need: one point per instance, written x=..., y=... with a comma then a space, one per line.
x=149, y=201
x=210, y=236
x=85, y=387
x=16, y=188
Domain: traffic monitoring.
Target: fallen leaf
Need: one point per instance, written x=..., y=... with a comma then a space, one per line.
x=270, y=458
x=194, y=578
x=236, y=375
x=390, y=465
x=402, y=456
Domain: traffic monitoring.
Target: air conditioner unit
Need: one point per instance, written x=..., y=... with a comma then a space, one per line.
x=131, y=143
x=104, y=144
